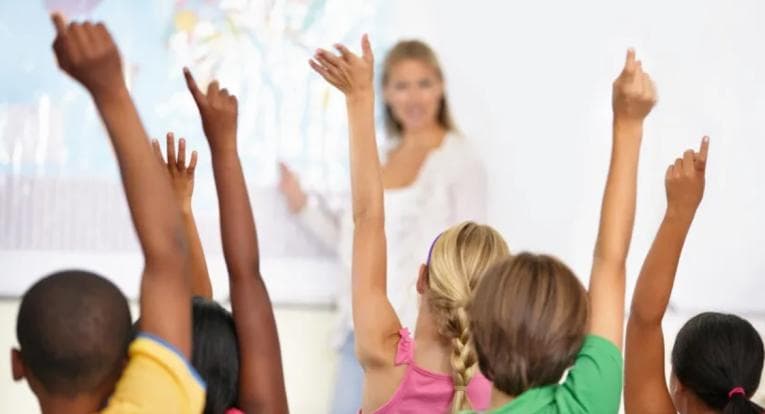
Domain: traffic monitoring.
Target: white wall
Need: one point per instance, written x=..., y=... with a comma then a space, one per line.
x=530, y=83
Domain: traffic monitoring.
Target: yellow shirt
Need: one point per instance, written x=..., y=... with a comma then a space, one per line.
x=157, y=379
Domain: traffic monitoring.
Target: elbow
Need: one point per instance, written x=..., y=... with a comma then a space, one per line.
x=169, y=250
x=372, y=213
x=613, y=258
x=639, y=316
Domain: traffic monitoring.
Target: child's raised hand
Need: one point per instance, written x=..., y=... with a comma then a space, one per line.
x=219, y=110
x=87, y=53
x=634, y=93
x=181, y=175
x=349, y=73
x=685, y=180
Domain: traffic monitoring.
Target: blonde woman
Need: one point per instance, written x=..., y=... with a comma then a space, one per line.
x=432, y=179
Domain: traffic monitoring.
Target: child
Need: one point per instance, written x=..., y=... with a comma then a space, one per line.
x=531, y=317
x=399, y=378
x=251, y=339
x=73, y=326
x=717, y=359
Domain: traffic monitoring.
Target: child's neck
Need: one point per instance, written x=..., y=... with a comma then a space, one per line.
x=499, y=398
x=69, y=405
x=431, y=351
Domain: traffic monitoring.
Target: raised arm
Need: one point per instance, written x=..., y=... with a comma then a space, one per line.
x=88, y=54
x=375, y=321
x=645, y=388
x=261, y=379
x=182, y=179
x=633, y=97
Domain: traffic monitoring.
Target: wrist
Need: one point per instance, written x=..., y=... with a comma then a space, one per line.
x=114, y=93
x=360, y=96
x=223, y=145
x=679, y=213
x=224, y=154
x=623, y=123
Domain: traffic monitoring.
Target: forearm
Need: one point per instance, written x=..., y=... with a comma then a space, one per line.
x=154, y=211
x=240, y=241
x=366, y=176
x=261, y=383
x=654, y=286
x=618, y=207
x=200, y=278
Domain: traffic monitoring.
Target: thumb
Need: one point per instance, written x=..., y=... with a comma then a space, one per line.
x=366, y=48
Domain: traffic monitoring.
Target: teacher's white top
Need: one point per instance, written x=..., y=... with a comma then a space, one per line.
x=449, y=188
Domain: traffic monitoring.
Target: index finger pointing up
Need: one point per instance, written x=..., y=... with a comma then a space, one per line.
x=193, y=88
x=59, y=22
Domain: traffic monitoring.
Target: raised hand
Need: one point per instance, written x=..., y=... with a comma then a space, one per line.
x=634, y=93
x=350, y=73
x=181, y=175
x=685, y=180
x=219, y=110
x=289, y=185
x=87, y=53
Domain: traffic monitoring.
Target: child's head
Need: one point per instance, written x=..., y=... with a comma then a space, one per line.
x=529, y=318
x=718, y=359
x=73, y=329
x=458, y=258
x=215, y=354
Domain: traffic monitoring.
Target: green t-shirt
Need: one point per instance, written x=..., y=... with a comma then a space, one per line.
x=593, y=385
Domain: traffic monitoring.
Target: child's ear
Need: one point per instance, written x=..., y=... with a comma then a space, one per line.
x=17, y=365
x=422, y=280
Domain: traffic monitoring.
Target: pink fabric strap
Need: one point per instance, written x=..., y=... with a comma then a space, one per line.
x=405, y=351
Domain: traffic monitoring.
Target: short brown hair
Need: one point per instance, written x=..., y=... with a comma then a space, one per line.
x=419, y=51
x=529, y=318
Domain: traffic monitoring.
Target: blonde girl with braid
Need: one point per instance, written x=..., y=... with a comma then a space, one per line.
x=439, y=375
x=456, y=262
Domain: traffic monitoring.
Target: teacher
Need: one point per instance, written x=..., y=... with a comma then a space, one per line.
x=432, y=180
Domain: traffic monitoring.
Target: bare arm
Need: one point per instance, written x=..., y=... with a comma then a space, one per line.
x=375, y=321
x=182, y=179
x=88, y=54
x=645, y=386
x=261, y=379
x=633, y=97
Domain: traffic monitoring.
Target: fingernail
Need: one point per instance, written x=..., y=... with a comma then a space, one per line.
x=706, y=139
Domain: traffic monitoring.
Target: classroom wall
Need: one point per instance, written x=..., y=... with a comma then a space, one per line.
x=530, y=84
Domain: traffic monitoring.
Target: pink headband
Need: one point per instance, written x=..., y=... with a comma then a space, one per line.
x=736, y=391
x=430, y=251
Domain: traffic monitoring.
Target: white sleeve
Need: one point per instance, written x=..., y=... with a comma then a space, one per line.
x=318, y=219
x=468, y=192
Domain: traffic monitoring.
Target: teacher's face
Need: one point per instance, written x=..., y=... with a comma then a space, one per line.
x=414, y=92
